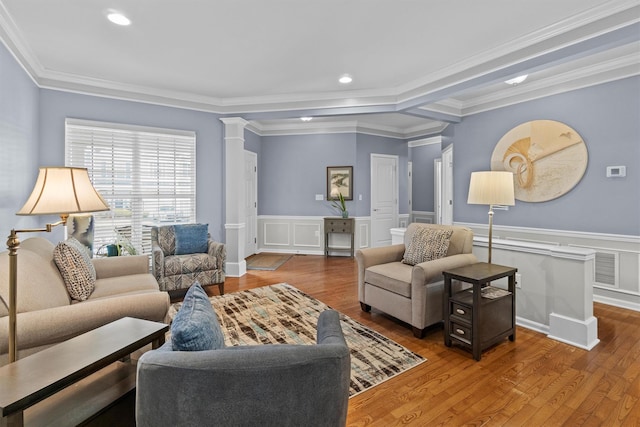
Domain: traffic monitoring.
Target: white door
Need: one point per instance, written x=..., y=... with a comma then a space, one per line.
x=384, y=198
x=251, y=202
x=437, y=189
x=447, y=185
x=410, y=192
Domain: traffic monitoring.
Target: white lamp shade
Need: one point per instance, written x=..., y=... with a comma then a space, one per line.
x=491, y=188
x=63, y=190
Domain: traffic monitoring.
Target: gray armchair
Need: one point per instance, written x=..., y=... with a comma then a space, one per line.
x=411, y=293
x=263, y=385
x=176, y=271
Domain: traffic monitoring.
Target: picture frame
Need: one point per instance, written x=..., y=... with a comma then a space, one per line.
x=339, y=180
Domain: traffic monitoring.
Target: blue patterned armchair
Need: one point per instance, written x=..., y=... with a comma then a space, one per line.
x=184, y=254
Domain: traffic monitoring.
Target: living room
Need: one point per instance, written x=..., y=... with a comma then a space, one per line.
x=600, y=213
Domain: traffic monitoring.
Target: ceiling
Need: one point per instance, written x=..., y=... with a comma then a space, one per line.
x=417, y=65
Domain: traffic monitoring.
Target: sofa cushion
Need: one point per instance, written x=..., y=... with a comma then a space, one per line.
x=76, y=268
x=427, y=244
x=191, y=238
x=394, y=277
x=195, y=327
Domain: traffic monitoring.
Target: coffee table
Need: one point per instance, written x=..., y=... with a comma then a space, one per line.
x=98, y=356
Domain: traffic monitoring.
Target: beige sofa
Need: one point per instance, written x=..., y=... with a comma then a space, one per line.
x=47, y=315
x=411, y=293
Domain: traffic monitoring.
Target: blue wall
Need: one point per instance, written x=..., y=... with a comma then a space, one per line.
x=607, y=117
x=18, y=142
x=422, y=158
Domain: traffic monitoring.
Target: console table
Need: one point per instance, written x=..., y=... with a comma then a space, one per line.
x=338, y=225
x=483, y=315
x=93, y=359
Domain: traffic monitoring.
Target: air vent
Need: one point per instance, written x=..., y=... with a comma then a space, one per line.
x=606, y=269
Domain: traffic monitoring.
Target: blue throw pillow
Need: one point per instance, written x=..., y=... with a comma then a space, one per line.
x=191, y=238
x=195, y=327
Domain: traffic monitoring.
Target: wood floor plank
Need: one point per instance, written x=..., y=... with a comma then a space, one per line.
x=533, y=381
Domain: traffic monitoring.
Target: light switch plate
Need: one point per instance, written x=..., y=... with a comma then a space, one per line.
x=616, y=171
x=319, y=196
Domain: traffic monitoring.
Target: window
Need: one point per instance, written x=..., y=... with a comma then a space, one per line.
x=147, y=175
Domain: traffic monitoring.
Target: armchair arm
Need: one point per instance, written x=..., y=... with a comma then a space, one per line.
x=218, y=251
x=121, y=266
x=157, y=265
x=427, y=272
x=374, y=256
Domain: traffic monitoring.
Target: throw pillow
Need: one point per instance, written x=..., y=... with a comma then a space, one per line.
x=75, y=266
x=195, y=327
x=191, y=238
x=427, y=244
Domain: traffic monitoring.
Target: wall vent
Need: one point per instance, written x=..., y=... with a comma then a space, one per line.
x=606, y=266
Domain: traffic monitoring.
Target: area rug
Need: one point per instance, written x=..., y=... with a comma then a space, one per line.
x=283, y=314
x=267, y=261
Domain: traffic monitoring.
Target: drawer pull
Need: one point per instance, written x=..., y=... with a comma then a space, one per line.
x=459, y=331
x=460, y=311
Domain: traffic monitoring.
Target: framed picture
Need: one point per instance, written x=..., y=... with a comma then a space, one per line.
x=339, y=181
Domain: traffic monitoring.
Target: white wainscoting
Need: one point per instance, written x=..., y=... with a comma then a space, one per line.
x=617, y=258
x=422, y=216
x=305, y=235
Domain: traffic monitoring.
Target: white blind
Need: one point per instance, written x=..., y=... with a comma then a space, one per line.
x=147, y=175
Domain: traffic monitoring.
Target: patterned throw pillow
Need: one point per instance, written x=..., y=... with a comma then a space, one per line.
x=427, y=244
x=195, y=327
x=79, y=275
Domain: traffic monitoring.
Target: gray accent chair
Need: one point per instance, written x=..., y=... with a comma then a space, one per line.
x=263, y=385
x=176, y=273
x=411, y=293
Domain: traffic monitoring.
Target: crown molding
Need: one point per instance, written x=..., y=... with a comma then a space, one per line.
x=426, y=141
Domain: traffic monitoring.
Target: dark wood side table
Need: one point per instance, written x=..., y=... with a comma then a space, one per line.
x=35, y=378
x=338, y=225
x=483, y=315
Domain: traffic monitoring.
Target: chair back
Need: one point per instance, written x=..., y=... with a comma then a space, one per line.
x=461, y=241
x=164, y=236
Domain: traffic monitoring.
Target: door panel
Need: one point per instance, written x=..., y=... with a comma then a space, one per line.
x=384, y=198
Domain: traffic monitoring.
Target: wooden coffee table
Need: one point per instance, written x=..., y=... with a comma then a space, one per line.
x=94, y=363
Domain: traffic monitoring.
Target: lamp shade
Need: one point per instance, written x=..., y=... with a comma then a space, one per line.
x=491, y=188
x=63, y=190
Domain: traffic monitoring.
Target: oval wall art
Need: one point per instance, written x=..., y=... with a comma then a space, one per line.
x=547, y=158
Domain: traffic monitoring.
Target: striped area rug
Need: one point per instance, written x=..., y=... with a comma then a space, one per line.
x=283, y=314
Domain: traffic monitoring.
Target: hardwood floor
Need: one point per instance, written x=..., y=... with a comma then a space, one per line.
x=534, y=381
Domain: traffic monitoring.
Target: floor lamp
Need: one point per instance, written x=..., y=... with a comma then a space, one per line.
x=58, y=191
x=491, y=188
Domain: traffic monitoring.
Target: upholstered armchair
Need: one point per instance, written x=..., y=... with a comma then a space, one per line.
x=413, y=293
x=184, y=254
x=262, y=385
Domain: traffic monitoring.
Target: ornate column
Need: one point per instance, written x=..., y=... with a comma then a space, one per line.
x=235, y=226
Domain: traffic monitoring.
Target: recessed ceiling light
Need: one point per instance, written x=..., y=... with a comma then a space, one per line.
x=345, y=79
x=516, y=80
x=118, y=18
x=306, y=119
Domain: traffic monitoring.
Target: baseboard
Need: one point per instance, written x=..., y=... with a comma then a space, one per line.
x=616, y=302
x=579, y=333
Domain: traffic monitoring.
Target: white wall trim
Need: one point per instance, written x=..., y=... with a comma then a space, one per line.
x=425, y=141
x=617, y=302
x=623, y=238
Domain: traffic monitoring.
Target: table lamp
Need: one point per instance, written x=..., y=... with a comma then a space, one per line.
x=491, y=188
x=58, y=191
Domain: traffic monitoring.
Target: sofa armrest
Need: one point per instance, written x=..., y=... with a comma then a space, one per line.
x=218, y=251
x=53, y=325
x=374, y=256
x=157, y=262
x=427, y=272
x=121, y=266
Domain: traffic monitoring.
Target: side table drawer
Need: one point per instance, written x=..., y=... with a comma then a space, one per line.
x=461, y=311
x=337, y=226
x=461, y=332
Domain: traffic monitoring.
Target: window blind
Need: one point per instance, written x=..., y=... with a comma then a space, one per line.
x=147, y=175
